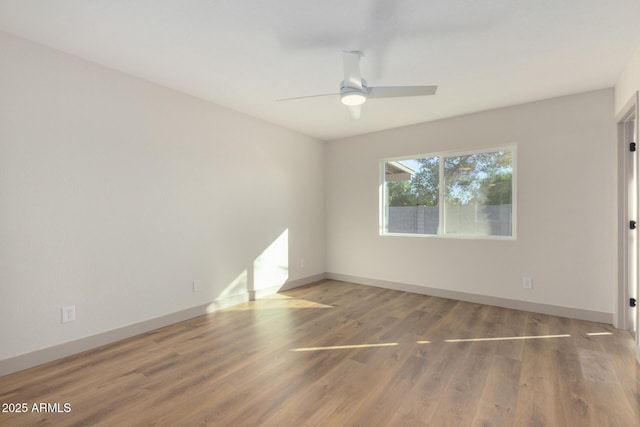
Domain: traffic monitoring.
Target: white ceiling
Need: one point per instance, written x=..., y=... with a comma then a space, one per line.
x=245, y=54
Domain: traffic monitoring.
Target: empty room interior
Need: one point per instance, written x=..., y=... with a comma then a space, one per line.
x=284, y=213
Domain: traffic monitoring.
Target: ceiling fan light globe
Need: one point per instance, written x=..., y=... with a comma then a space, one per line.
x=353, y=98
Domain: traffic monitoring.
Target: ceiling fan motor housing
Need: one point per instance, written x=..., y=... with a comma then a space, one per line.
x=353, y=95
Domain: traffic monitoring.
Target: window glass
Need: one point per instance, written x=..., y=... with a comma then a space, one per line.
x=413, y=189
x=465, y=194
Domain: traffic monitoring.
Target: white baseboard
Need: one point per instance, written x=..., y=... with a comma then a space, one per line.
x=59, y=351
x=302, y=282
x=555, y=310
x=290, y=284
x=49, y=354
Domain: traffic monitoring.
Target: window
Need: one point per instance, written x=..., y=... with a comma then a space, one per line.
x=460, y=194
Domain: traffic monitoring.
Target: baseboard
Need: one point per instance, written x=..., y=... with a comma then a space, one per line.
x=59, y=351
x=555, y=310
x=302, y=282
x=49, y=354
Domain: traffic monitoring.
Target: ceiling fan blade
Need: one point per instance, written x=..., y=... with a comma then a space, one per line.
x=309, y=96
x=354, y=111
x=393, y=91
x=351, y=62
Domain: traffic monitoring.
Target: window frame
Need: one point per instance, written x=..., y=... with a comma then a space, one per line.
x=383, y=209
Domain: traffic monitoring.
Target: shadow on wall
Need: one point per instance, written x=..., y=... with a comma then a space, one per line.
x=268, y=272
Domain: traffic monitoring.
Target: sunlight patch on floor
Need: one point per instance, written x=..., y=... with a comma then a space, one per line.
x=346, y=347
x=530, y=337
x=277, y=301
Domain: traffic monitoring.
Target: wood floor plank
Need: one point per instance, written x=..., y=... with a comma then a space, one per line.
x=536, y=395
x=460, y=399
x=500, y=395
x=340, y=354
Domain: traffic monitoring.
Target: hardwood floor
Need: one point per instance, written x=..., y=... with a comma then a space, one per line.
x=339, y=354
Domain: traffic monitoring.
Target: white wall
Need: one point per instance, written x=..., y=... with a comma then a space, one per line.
x=115, y=194
x=566, y=195
x=628, y=83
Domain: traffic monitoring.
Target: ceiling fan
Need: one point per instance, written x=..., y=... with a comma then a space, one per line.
x=354, y=90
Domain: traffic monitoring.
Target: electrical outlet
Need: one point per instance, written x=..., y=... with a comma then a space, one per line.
x=197, y=285
x=68, y=313
x=527, y=283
